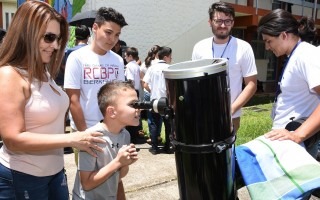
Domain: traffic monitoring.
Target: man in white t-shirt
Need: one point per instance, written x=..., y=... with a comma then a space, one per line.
x=90, y=67
x=241, y=61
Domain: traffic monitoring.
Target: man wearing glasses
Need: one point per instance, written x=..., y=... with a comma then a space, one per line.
x=241, y=61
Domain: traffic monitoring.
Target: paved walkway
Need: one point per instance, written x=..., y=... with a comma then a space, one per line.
x=152, y=177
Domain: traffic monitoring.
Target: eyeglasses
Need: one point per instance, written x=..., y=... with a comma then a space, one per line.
x=226, y=22
x=51, y=37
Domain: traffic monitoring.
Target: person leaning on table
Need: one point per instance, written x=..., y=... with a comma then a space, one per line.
x=298, y=92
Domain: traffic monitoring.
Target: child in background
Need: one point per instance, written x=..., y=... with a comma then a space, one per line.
x=132, y=73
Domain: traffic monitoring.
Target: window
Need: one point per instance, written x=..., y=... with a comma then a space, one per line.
x=7, y=20
x=238, y=33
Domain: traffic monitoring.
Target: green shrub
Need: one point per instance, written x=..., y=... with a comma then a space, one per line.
x=72, y=38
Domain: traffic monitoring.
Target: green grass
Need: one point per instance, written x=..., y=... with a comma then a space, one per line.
x=254, y=122
x=255, y=119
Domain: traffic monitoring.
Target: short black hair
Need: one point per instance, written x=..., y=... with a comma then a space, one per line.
x=221, y=7
x=109, y=92
x=132, y=51
x=164, y=51
x=109, y=14
x=82, y=32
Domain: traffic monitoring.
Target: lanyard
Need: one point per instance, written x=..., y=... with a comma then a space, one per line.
x=224, y=47
x=278, y=91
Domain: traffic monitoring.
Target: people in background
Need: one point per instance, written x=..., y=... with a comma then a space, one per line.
x=119, y=48
x=151, y=58
x=82, y=35
x=154, y=82
x=132, y=73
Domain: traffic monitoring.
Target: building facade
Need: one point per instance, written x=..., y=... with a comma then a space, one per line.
x=7, y=10
x=180, y=24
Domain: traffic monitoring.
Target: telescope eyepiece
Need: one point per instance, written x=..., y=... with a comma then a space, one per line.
x=157, y=106
x=142, y=105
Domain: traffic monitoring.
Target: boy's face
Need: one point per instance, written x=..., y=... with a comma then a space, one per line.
x=125, y=113
x=128, y=58
x=106, y=36
x=168, y=59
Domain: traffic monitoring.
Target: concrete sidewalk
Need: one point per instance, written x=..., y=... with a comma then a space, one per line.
x=152, y=177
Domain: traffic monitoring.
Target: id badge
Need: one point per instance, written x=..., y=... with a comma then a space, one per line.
x=273, y=110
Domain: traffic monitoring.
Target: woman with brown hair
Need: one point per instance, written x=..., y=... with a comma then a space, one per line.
x=33, y=107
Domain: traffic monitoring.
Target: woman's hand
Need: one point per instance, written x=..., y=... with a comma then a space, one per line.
x=87, y=141
x=282, y=134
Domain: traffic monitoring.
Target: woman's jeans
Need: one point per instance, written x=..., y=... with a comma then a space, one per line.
x=17, y=185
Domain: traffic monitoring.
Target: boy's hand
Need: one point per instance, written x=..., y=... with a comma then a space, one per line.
x=133, y=153
x=127, y=155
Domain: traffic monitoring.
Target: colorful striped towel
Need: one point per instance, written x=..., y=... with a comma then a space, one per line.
x=277, y=169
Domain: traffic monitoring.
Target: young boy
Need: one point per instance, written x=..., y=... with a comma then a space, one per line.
x=132, y=73
x=98, y=177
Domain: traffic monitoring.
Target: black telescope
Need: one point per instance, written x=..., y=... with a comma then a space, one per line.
x=202, y=134
x=198, y=107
